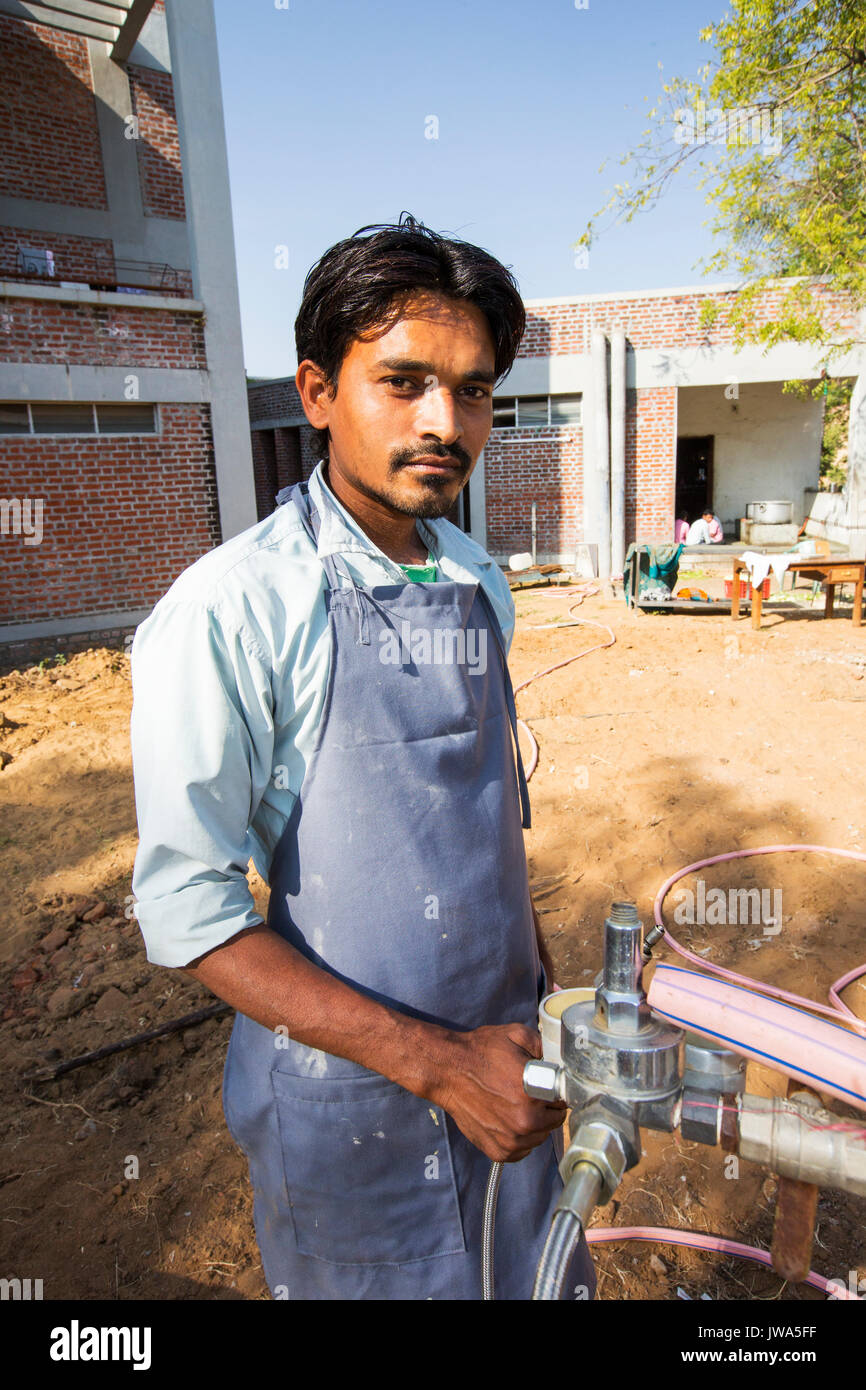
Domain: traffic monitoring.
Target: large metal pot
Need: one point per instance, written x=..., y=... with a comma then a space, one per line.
x=770, y=513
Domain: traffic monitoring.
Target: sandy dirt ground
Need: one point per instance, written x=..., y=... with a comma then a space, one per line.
x=689, y=737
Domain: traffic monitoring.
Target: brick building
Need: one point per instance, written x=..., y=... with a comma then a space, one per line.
x=620, y=412
x=124, y=452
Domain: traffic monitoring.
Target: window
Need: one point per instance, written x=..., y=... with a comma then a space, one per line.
x=536, y=412
x=65, y=417
x=14, y=419
x=565, y=410
x=533, y=410
x=62, y=419
x=125, y=419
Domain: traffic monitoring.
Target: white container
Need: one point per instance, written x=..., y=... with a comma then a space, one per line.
x=550, y=1012
x=516, y=563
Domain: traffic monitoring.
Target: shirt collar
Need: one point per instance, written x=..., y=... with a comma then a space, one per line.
x=339, y=532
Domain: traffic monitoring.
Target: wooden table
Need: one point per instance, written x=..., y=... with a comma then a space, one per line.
x=834, y=571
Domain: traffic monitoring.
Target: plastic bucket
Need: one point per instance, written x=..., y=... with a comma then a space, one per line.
x=550, y=1012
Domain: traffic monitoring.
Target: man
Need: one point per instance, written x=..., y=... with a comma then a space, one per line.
x=705, y=531
x=299, y=695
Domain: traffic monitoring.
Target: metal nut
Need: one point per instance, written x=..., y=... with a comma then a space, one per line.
x=599, y=1144
x=710, y=1067
x=543, y=1080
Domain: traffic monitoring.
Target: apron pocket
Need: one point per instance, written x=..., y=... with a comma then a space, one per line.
x=368, y=1170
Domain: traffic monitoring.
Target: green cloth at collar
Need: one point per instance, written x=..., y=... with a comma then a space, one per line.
x=421, y=574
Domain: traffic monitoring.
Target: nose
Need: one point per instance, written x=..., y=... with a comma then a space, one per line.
x=437, y=414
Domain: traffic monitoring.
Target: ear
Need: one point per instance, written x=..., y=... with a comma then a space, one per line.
x=315, y=392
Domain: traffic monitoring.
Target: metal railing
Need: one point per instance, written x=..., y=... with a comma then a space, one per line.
x=44, y=266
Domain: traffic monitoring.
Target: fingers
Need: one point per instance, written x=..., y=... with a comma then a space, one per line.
x=535, y=1129
x=526, y=1038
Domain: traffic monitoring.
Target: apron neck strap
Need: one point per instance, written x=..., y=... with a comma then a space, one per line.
x=312, y=522
x=512, y=708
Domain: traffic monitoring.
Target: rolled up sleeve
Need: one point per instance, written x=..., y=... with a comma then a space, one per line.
x=202, y=734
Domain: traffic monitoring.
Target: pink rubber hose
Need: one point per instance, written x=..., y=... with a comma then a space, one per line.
x=840, y=1011
x=670, y=1236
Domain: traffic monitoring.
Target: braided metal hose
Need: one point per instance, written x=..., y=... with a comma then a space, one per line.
x=488, y=1223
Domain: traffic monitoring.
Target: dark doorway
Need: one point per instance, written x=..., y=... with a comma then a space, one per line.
x=694, y=488
x=459, y=513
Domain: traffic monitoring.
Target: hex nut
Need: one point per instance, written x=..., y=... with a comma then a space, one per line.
x=601, y=1145
x=542, y=1080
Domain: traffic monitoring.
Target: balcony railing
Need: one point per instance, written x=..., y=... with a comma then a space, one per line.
x=55, y=266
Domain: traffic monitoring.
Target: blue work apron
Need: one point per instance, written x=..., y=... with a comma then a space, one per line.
x=402, y=871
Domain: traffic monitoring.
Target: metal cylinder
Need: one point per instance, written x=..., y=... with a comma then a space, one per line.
x=622, y=942
x=797, y=1139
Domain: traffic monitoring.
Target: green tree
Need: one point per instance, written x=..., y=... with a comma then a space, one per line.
x=776, y=125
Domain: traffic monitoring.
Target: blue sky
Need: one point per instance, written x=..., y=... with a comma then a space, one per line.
x=326, y=106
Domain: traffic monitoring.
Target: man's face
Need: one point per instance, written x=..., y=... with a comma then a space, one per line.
x=413, y=407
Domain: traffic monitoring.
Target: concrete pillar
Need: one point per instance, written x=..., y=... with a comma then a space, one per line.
x=596, y=462
x=476, y=488
x=198, y=97
x=617, y=451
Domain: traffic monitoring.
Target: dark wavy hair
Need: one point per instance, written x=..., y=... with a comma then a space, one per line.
x=362, y=283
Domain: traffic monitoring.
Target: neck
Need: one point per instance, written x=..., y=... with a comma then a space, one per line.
x=393, y=532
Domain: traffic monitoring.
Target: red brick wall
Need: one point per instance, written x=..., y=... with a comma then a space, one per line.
x=49, y=140
x=43, y=330
x=654, y=321
x=274, y=400
x=543, y=466
x=81, y=258
x=264, y=471
x=650, y=463
x=158, y=145
x=650, y=321
x=121, y=516
x=546, y=466
x=275, y=459
x=309, y=458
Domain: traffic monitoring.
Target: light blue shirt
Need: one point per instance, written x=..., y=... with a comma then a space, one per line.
x=229, y=673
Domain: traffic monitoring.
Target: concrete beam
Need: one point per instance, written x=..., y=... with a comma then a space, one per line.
x=13, y=289
x=56, y=19
x=283, y=422
x=201, y=127
x=64, y=627
x=31, y=381
x=136, y=17
x=102, y=11
x=151, y=47
x=678, y=366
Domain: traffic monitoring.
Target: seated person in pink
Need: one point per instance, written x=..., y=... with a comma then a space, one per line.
x=681, y=529
x=708, y=530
